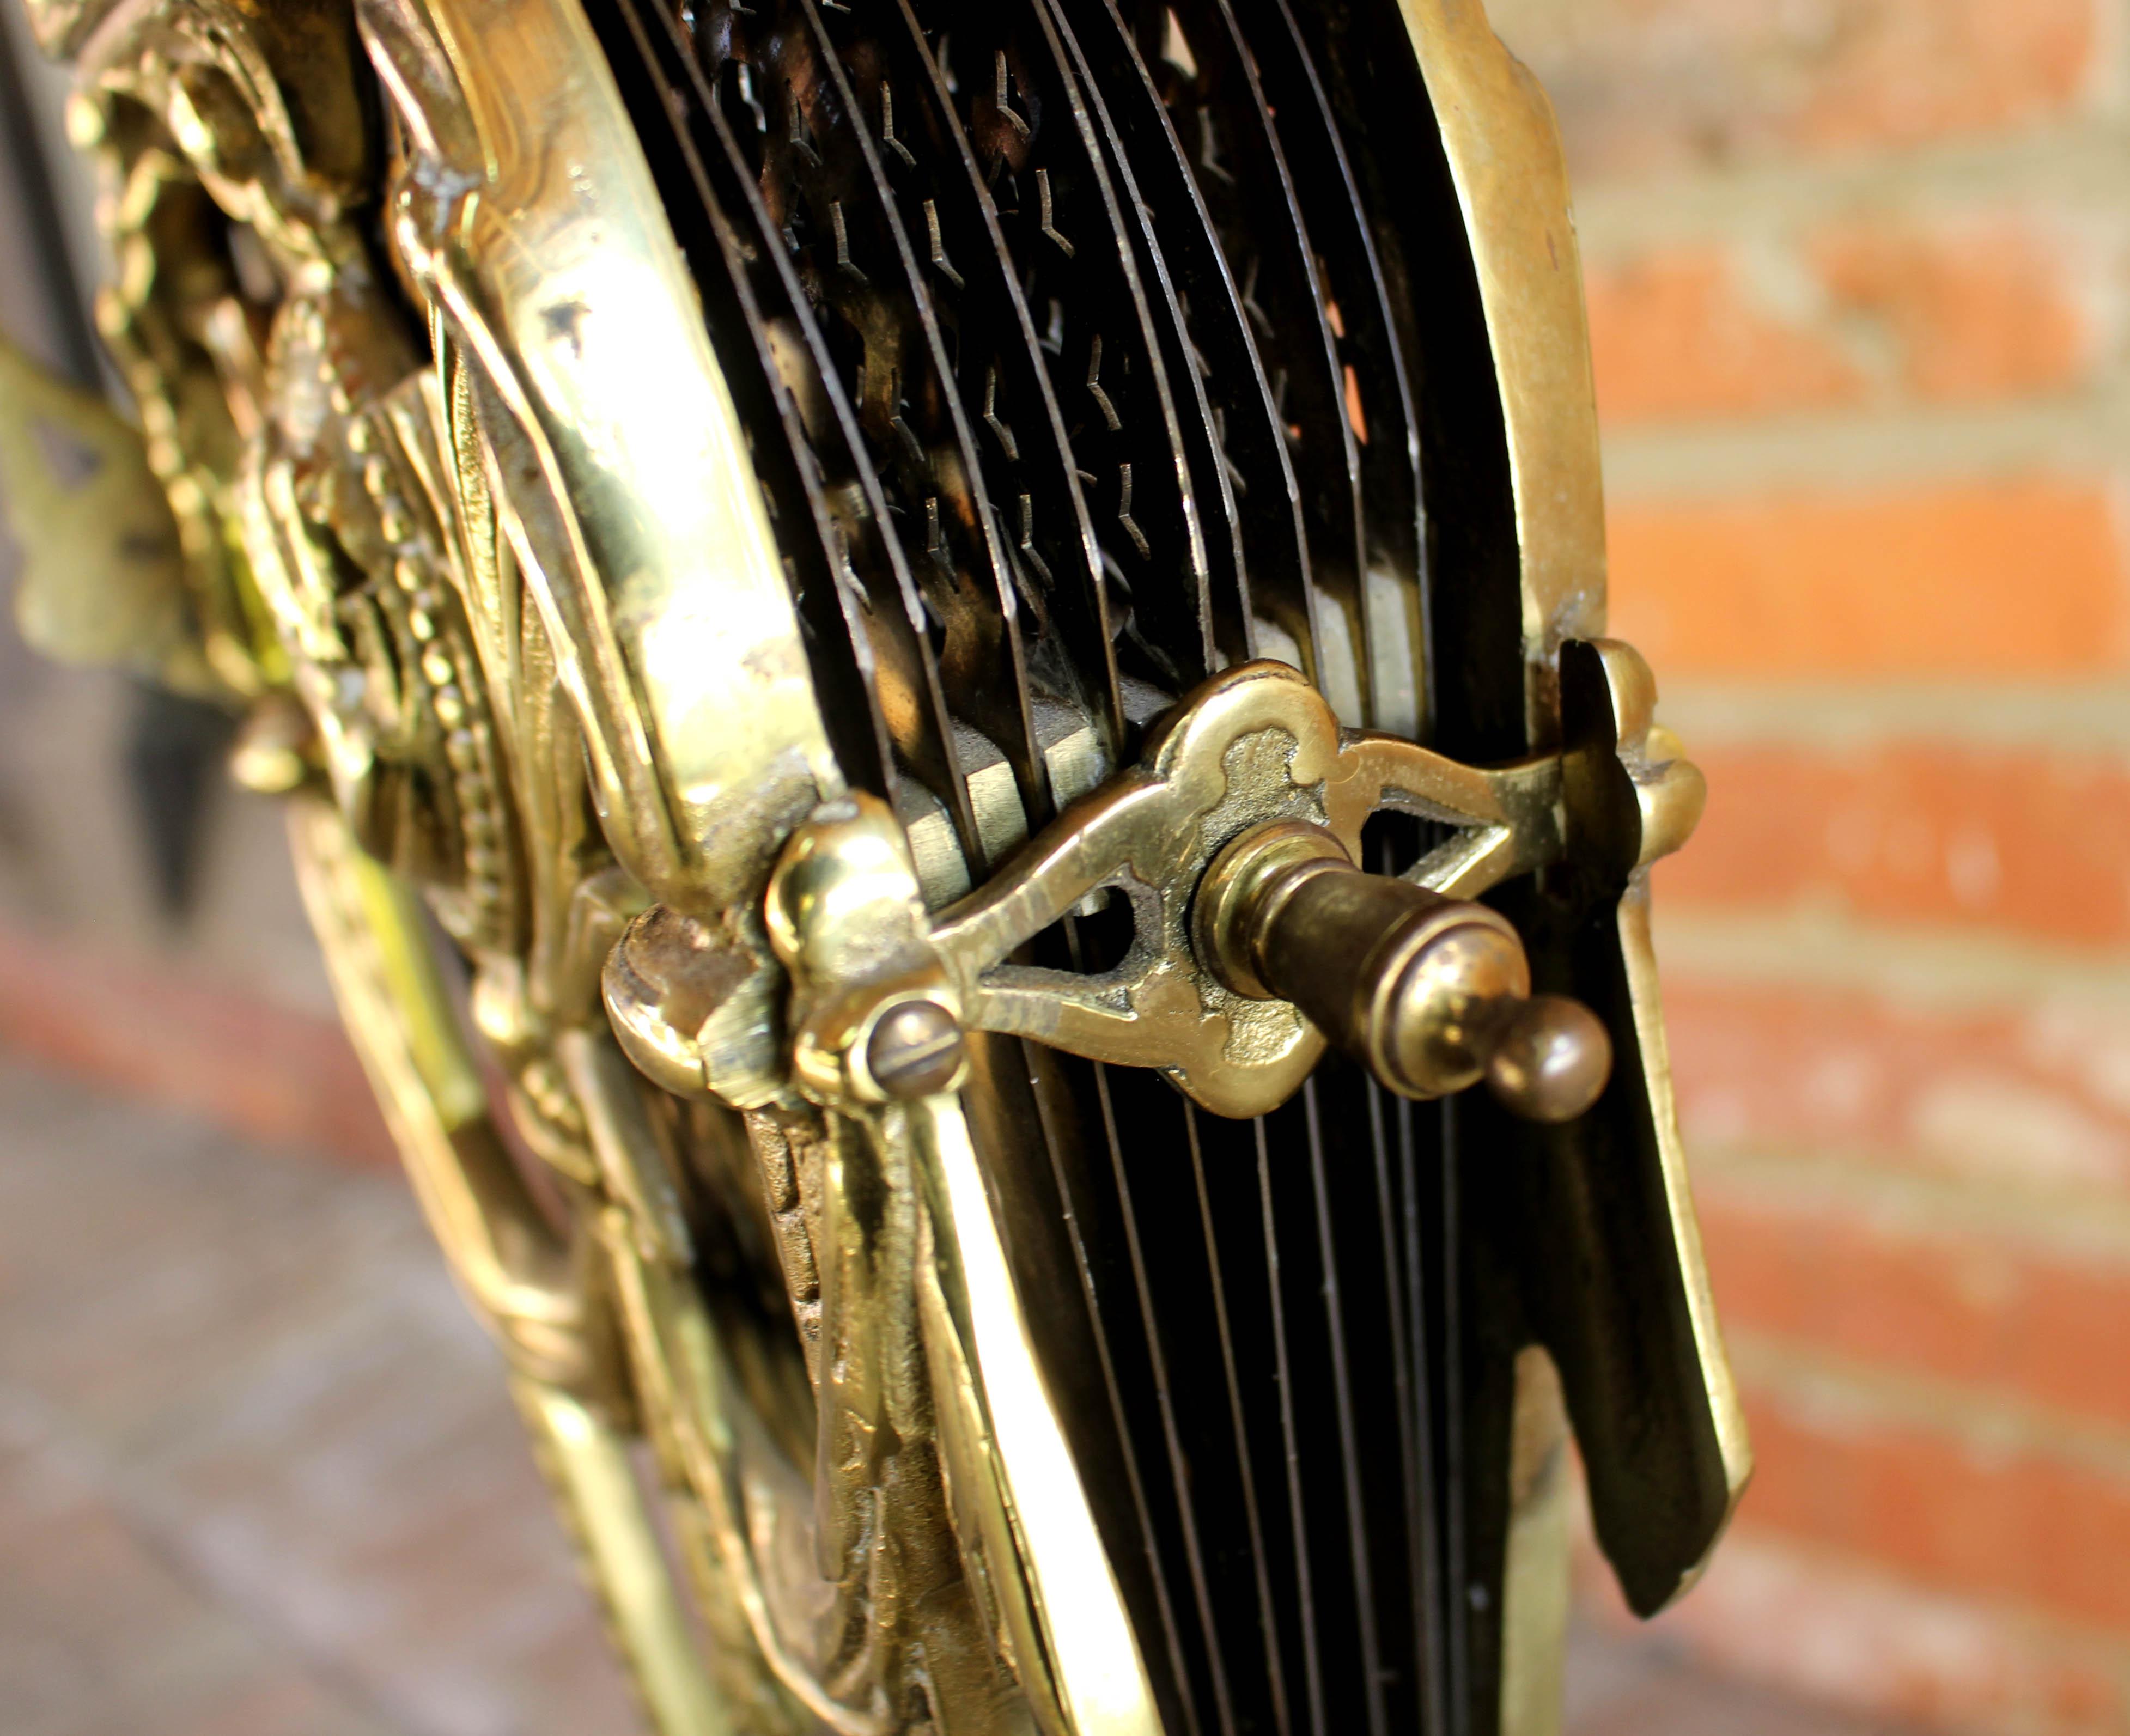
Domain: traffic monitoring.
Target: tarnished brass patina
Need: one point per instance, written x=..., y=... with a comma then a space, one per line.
x=939, y=672
x=1430, y=993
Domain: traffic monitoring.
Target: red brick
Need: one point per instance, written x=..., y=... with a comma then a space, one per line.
x=1647, y=84
x=1998, y=578
x=2036, y=1097
x=281, y=1077
x=1886, y=311
x=2023, y=1526
x=1678, y=334
x=1825, y=1624
x=1991, y=1311
x=2003, y=839
x=1971, y=310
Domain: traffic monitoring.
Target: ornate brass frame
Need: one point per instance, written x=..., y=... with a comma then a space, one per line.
x=471, y=528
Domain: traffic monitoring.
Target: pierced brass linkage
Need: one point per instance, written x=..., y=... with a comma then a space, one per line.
x=1257, y=940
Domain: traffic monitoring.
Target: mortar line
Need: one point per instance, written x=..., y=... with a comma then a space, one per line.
x=1857, y=452
x=1940, y=971
x=1986, y=1422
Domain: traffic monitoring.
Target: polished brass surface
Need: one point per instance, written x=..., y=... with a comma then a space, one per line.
x=846, y=917
x=1245, y=888
x=837, y=592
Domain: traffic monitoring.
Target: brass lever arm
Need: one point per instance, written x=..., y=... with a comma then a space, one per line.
x=1255, y=745
x=1431, y=994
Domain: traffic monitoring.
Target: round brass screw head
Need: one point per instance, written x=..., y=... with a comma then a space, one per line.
x=916, y=1050
x=1552, y=1059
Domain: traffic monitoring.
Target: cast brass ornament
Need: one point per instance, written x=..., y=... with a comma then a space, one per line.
x=964, y=644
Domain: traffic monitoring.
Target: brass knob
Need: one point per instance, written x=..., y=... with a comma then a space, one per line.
x=1431, y=994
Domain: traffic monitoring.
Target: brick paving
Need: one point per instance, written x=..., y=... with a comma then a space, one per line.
x=1652, y=1686
x=259, y=1477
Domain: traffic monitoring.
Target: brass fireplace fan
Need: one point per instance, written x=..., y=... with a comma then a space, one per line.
x=938, y=664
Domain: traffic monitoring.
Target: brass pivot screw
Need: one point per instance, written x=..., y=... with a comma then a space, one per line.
x=916, y=1050
x=1431, y=994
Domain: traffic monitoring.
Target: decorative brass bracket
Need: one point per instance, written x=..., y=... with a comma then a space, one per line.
x=884, y=991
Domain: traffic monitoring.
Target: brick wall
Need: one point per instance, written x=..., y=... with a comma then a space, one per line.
x=1857, y=273
x=1857, y=282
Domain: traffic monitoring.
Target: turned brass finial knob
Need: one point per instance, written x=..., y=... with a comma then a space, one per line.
x=1431, y=994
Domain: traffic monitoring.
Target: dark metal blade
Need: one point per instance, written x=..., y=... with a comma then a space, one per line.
x=1037, y=146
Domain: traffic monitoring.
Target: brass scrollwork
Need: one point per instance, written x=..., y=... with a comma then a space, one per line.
x=459, y=506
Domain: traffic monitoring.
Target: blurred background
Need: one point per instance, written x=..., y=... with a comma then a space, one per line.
x=1857, y=275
